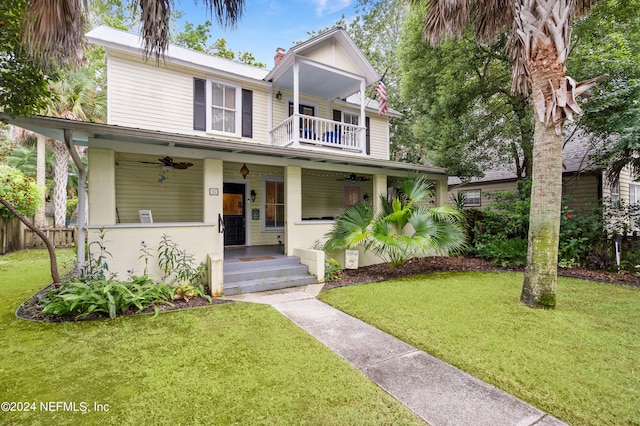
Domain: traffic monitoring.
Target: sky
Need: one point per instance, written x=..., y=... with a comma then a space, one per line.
x=267, y=25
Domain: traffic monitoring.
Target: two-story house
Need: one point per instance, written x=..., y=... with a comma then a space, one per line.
x=217, y=154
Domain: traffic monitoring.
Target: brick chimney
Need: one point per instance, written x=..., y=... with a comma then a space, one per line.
x=279, y=55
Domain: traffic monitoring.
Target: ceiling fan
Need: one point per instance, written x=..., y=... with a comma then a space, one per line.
x=167, y=162
x=354, y=178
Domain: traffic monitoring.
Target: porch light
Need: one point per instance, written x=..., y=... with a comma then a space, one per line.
x=253, y=196
x=279, y=95
x=244, y=171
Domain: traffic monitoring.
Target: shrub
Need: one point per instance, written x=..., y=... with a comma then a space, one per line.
x=511, y=252
x=105, y=297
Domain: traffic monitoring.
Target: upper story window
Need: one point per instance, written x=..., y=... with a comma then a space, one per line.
x=224, y=102
x=472, y=198
x=634, y=194
x=222, y=107
x=350, y=118
x=615, y=194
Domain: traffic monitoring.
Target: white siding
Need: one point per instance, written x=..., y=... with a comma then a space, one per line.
x=140, y=186
x=332, y=54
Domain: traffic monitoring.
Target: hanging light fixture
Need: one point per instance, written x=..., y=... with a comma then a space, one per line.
x=244, y=171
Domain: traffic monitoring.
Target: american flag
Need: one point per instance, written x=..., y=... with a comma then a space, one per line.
x=381, y=89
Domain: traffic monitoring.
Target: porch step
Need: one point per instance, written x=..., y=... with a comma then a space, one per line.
x=265, y=275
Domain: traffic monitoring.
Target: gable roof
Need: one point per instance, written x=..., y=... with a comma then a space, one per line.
x=576, y=157
x=128, y=42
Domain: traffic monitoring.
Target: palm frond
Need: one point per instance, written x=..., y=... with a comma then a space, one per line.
x=54, y=31
x=445, y=18
x=351, y=227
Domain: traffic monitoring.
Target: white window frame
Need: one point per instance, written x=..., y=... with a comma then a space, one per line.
x=615, y=194
x=352, y=114
x=634, y=194
x=238, y=107
x=265, y=228
x=468, y=203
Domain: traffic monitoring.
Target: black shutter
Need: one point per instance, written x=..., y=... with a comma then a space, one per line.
x=247, y=113
x=199, y=104
x=368, y=134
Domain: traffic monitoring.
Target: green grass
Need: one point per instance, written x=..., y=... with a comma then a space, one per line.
x=225, y=364
x=579, y=362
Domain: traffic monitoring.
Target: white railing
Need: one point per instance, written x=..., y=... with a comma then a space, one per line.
x=318, y=131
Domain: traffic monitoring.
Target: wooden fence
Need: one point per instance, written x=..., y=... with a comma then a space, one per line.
x=59, y=237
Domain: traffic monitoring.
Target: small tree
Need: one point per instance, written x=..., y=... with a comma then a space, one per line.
x=20, y=196
x=402, y=230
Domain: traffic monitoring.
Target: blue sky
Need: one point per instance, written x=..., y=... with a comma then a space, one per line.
x=267, y=25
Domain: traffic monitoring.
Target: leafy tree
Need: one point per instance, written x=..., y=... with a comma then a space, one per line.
x=539, y=45
x=402, y=230
x=608, y=41
x=19, y=196
x=24, y=87
x=466, y=113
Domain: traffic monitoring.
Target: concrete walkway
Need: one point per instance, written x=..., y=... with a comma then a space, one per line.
x=436, y=391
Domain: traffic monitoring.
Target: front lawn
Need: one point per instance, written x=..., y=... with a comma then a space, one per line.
x=579, y=362
x=234, y=363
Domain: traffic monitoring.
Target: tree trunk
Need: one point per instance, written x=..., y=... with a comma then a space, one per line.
x=539, y=288
x=61, y=177
x=40, y=219
x=52, y=253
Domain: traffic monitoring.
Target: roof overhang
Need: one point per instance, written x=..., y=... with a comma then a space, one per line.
x=320, y=79
x=83, y=132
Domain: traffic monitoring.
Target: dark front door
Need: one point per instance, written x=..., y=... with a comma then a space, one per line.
x=233, y=205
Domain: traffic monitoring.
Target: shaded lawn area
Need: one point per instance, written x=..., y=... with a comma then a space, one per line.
x=225, y=364
x=580, y=362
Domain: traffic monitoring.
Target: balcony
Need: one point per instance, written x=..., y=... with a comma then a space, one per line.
x=303, y=129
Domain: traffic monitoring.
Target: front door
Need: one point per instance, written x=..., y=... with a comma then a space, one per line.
x=233, y=207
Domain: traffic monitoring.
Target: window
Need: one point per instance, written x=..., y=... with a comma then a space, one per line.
x=615, y=194
x=274, y=205
x=222, y=107
x=634, y=194
x=471, y=198
x=223, y=103
x=350, y=118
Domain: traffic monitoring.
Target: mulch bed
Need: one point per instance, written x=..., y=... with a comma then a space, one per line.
x=428, y=265
x=30, y=310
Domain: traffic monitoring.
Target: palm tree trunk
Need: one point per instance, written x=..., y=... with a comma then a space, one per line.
x=61, y=177
x=539, y=288
x=40, y=219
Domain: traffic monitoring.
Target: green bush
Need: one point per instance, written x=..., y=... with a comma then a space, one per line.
x=106, y=297
x=511, y=252
x=332, y=269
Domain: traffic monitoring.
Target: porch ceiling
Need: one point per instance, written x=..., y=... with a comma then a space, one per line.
x=317, y=81
x=83, y=131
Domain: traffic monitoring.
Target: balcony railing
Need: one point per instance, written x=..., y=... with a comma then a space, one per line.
x=318, y=131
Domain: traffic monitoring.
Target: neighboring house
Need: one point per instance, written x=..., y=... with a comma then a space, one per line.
x=218, y=154
x=584, y=184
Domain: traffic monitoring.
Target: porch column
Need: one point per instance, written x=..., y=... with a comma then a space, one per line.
x=296, y=102
x=212, y=211
x=442, y=191
x=362, y=134
x=102, y=186
x=379, y=188
x=293, y=209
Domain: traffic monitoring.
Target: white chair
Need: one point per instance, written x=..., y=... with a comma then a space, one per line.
x=145, y=216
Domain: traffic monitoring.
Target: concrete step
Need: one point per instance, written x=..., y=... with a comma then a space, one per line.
x=266, y=272
x=260, y=264
x=254, y=286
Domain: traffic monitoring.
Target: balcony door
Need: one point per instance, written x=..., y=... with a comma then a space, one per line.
x=306, y=125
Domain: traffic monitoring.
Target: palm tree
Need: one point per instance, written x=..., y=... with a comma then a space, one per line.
x=402, y=230
x=75, y=99
x=54, y=29
x=540, y=32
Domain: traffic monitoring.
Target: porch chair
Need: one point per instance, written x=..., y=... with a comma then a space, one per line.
x=145, y=216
